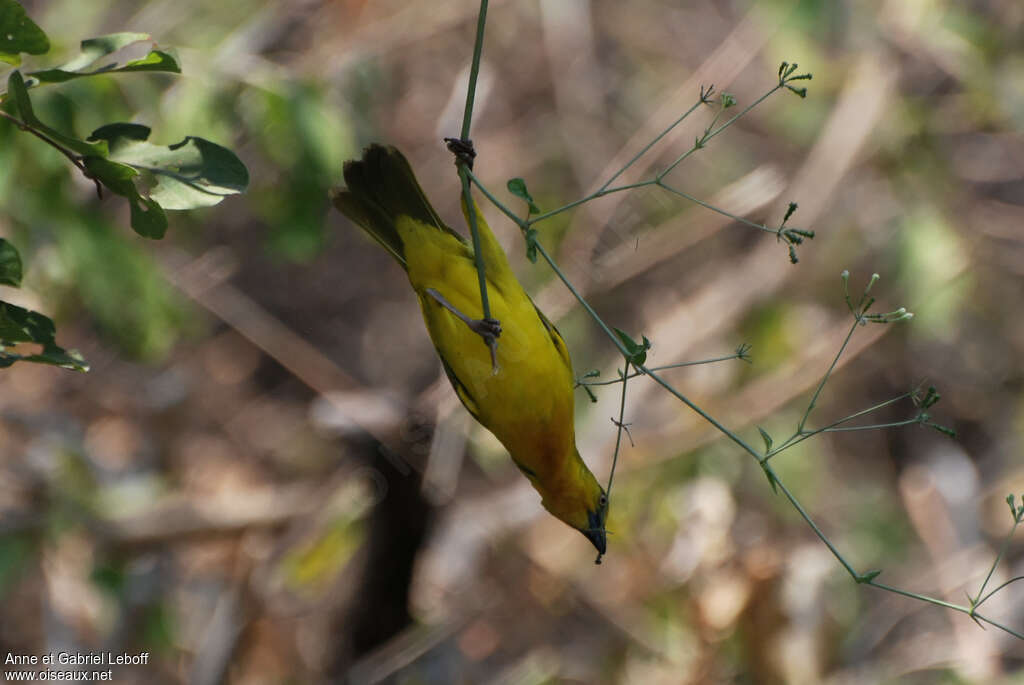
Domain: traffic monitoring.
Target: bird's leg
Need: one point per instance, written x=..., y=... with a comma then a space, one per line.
x=488, y=329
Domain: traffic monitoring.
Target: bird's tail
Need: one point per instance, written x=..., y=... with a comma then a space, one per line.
x=381, y=187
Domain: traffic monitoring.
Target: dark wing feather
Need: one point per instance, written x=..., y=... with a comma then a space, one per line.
x=556, y=337
x=381, y=187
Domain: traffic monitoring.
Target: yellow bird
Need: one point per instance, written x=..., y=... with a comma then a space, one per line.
x=526, y=400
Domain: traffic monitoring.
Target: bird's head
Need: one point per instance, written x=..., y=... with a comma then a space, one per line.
x=583, y=504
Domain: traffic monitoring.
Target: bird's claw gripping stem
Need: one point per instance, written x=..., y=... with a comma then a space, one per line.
x=488, y=329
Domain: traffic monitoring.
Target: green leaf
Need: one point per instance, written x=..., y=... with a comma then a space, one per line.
x=19, y=325
x=16, y=88
x=517, y=187
x=147, y=217
x=54, y=356
x=767, y=439
x=770, y=475
x=18, y=33
x=10, y=264
x=156, y=60
x=531, y=245
x=116, y=177
x=636, y=353
x=192, y=173
x=95, y=49
x=868, y=576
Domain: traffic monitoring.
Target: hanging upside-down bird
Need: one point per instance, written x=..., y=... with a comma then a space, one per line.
x=525, y=395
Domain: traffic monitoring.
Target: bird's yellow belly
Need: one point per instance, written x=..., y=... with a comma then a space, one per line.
x=528, y=403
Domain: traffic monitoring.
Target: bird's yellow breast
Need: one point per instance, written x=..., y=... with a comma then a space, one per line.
x=528, y=403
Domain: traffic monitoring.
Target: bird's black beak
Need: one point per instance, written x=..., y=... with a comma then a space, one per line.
x=595, y=533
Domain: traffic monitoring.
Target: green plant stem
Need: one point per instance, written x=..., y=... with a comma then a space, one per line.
x=651, y=144
x=999, y=557
x=586, y=305
x=713, y=208
x=467, y=195
x=997, y=589
x=810, y=522
x=474, y=69
x=800, y=436
x=824, y=379
x=948, y=605
x=663, y=368
x=523, y=224
x=75, y=159
x=709, y=135
x=588, y=198
x=874, y=426
x=618, y=435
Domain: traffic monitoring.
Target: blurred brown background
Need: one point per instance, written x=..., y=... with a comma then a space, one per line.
x=265, y=478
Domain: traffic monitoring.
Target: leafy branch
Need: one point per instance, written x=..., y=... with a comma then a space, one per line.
x=194, y=172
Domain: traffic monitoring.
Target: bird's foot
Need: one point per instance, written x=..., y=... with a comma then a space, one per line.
x=488, y=329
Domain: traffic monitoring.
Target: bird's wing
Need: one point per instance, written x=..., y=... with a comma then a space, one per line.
x=556, y=337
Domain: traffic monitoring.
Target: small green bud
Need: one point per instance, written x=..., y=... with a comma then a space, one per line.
x=789, y=211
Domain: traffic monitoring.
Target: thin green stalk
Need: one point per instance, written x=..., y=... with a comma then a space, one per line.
x=521, y=223
x=474, y=69
x=588, y=198
x=874, y=426
x=948, y=605
x=651, y=144
x=824, y=379
x=997, y=589
x=708, y=136
x=807, y=518
x=586, y=305
x=999, y=557
x=663, y=368
x=800, y=436
x=713, y=208
x=703, y=414
x=618, y=435
x=67, y=152
x=467, y=195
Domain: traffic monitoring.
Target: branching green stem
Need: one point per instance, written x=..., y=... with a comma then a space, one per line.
x=977, y=600
x=651, y=144
x=713, y=208
x=824, y=379
x=793, y=238
x=711, y=133
x=67, y=152
x=661, y=368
